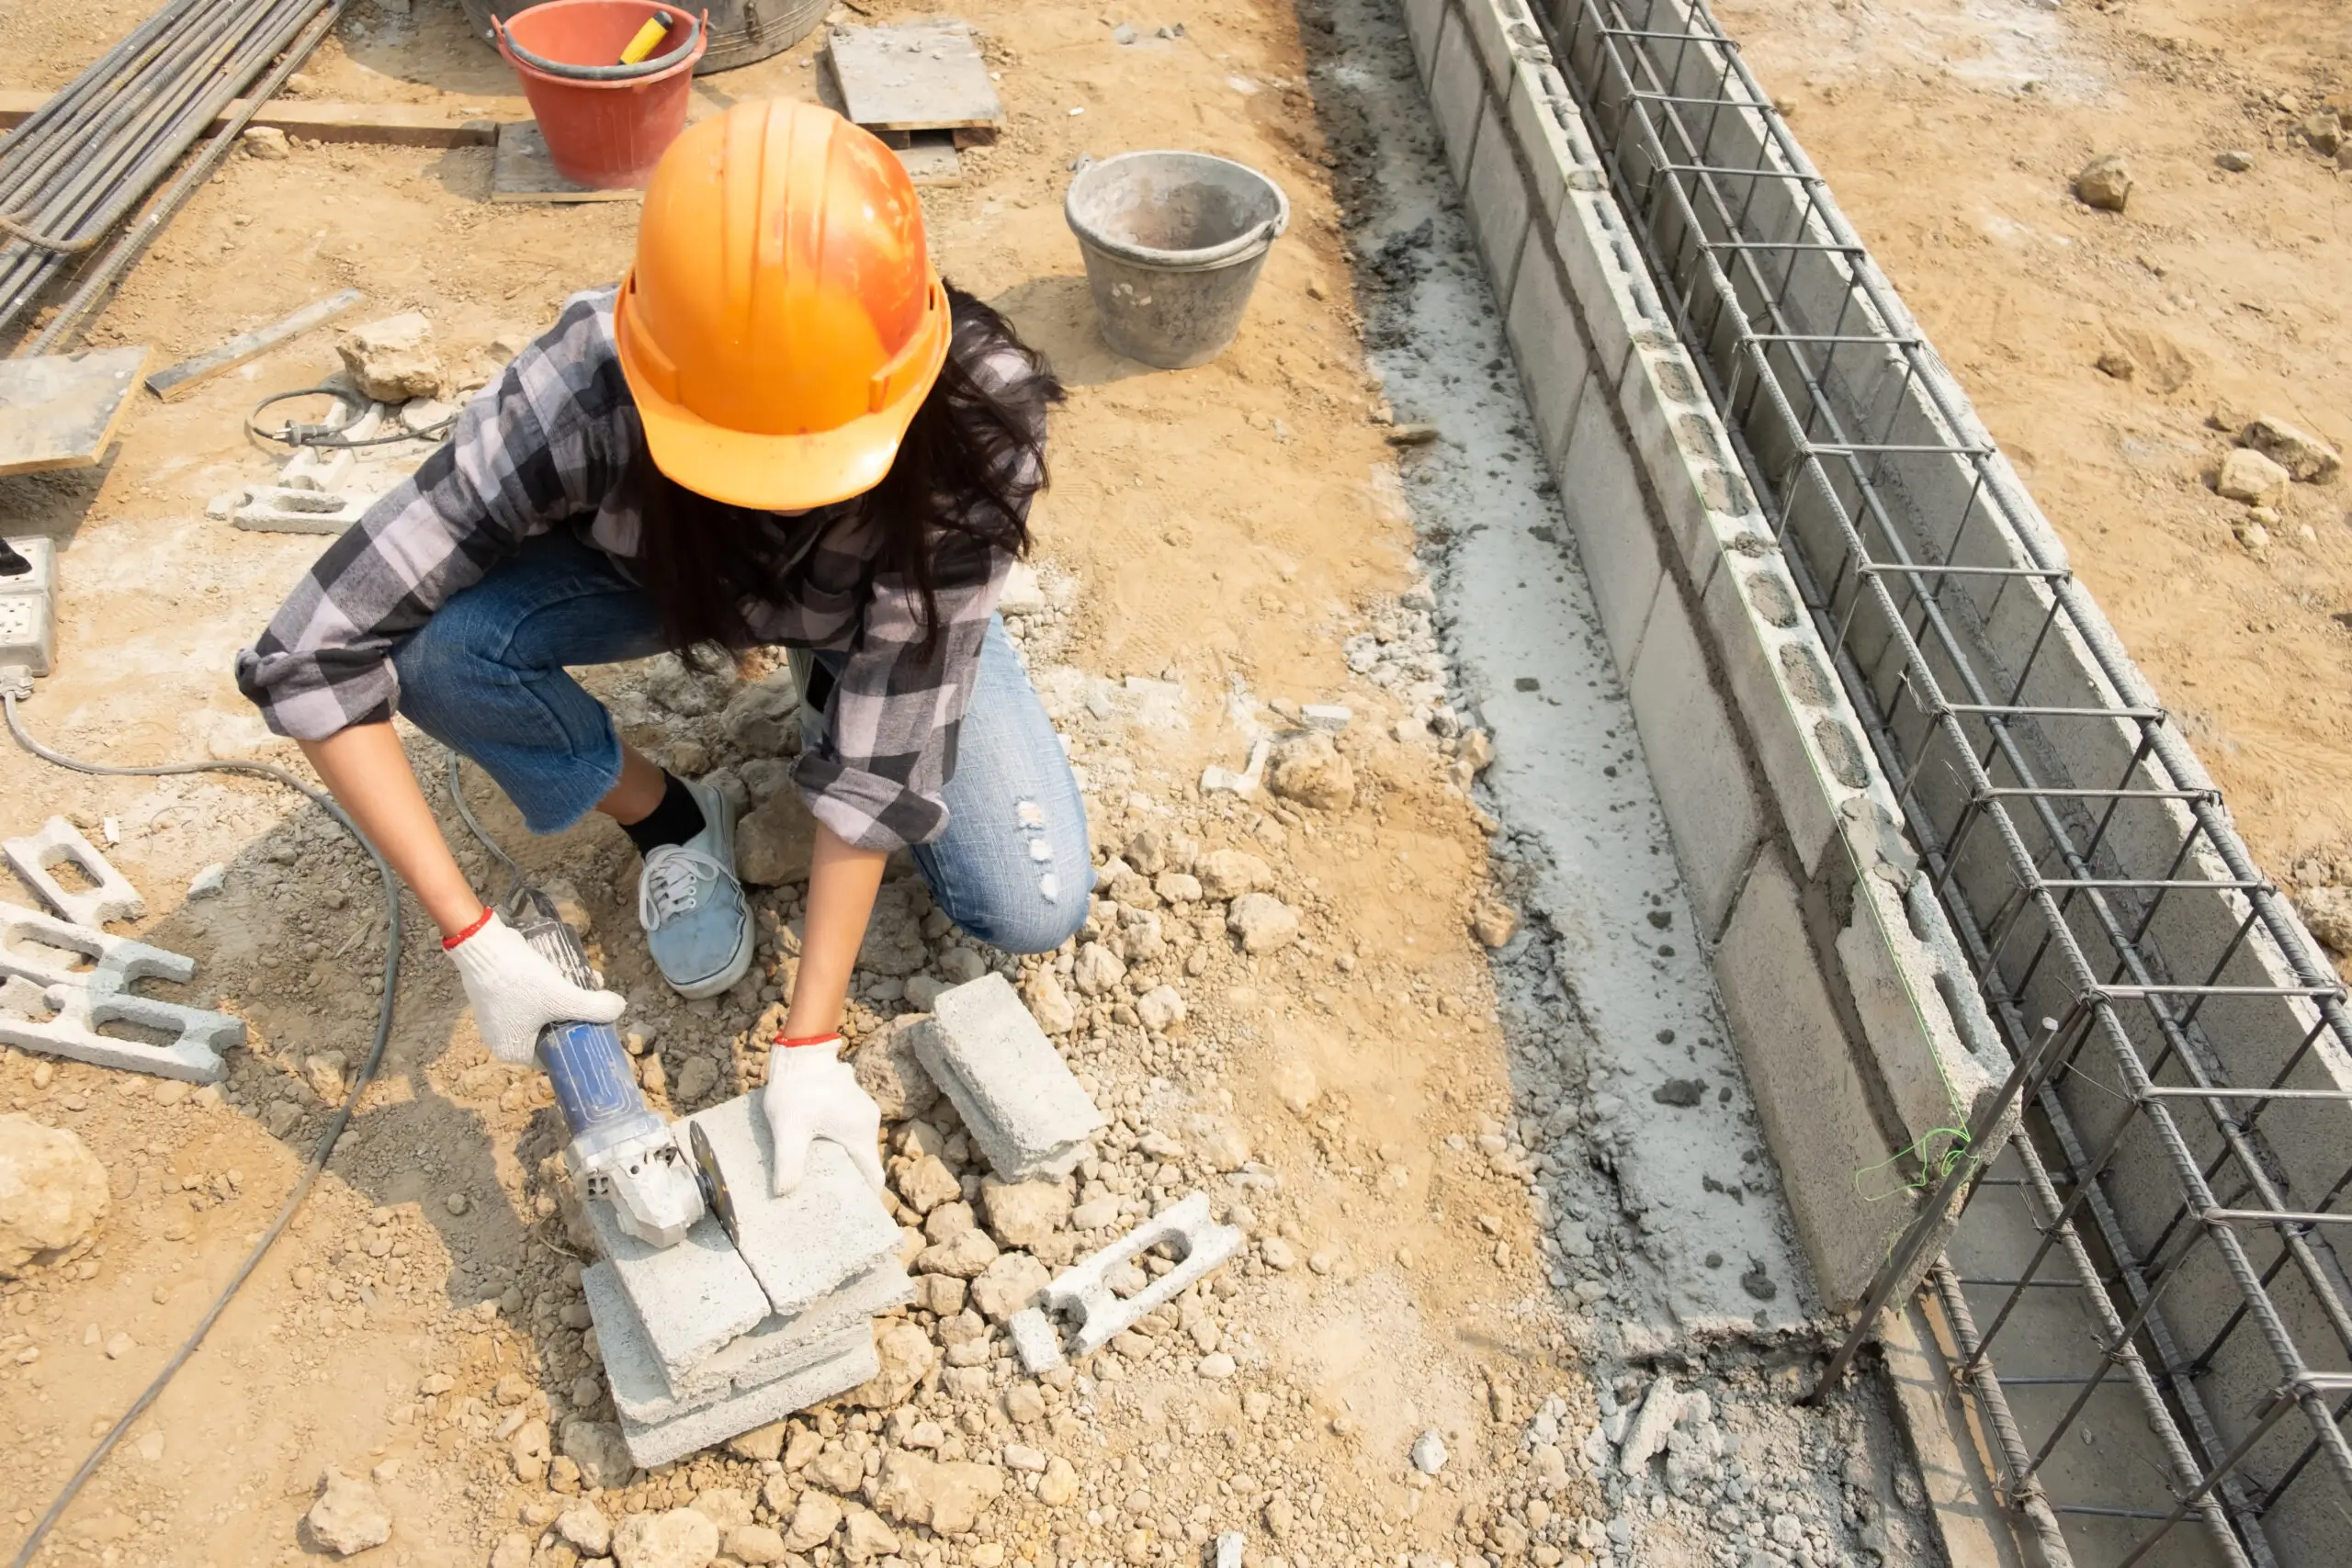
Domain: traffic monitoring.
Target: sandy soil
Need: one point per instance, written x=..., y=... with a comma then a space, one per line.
x=1951, y=130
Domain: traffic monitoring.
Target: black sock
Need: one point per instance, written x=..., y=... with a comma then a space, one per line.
x=676, y=821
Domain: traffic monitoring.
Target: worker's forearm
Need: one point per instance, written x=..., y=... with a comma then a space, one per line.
x=841, y=883
x=370, y=777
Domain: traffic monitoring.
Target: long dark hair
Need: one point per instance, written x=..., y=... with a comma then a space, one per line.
x=970, y=463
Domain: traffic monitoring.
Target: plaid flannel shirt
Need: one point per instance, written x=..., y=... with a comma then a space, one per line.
x=553, y=442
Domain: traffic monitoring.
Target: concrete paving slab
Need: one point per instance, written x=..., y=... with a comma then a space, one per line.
x=807, y=1244
x=693, y=1298
x=839, y=1364
x=1018, y=1099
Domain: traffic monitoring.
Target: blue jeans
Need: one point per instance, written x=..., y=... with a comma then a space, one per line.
x=486, y=677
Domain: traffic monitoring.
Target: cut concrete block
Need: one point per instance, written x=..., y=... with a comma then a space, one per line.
x=1083, y=1293
x=1457, y=92
x=111, y=898
x=693, y=1299
x=804, y=1245
x=779, y=1347
x=72, y=1031
x=1017, y=1098
x=29, y=609
x=1696, y=760
x=119, y=961
x=274, y=509
x=839, y=1364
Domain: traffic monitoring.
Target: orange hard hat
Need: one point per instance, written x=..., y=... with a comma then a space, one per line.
x=782, y=322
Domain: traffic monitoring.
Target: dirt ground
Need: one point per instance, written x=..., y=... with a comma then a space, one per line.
x=1213, y=540
x=1950, y=131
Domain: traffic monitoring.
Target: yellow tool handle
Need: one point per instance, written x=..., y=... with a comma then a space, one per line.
x=656, y=28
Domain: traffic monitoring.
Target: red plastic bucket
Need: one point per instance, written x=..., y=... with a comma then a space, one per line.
x=605, y=129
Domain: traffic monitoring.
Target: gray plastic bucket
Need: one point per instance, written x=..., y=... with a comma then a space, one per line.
x=1172, y=242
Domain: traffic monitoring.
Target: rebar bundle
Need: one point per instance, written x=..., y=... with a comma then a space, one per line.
x=74, y=170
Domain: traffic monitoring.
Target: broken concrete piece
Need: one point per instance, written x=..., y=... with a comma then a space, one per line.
x=112, y=897
x=837, y=1365
x=349, y=1516
x=1332, y=717
x=1036, y=1340
x=391, y=360
x=72, y=1031
x=802, y=1247
x=1083, y=1293
x=274, y=509
x=1019, y=1100
x=693, y=1298
x=119, y=960
x=1215, y=780
x=325, y=468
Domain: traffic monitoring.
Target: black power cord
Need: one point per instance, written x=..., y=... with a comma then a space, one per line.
x=330, y=437
x=319, y=1154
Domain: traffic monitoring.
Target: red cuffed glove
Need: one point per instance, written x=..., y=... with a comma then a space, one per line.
x=813, y=1094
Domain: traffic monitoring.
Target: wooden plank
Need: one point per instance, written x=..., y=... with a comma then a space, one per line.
x=60, y=411
x=400, y=125
x=179, y=380
x=922, y=76
x=521, y=171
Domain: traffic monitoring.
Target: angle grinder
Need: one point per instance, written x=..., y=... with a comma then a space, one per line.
x=622, y=1152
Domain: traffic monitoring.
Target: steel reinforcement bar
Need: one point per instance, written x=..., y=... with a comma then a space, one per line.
x=2182, y=1048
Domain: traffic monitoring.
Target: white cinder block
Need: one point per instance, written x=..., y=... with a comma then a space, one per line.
x=1554, y=364
x=112, y=897
x=1424, y=19
x=1497, y=200
x=1602, y=496
x=1457, y=92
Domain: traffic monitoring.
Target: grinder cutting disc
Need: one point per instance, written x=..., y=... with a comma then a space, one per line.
x=713, y=1179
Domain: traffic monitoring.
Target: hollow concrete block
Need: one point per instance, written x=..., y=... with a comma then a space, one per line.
x=1018, y=1099
x=1083, y=1293
x=1781, y=685
x=118, y=962
x=1550, y=137
x=1810, y=1095
x=1492, y=26
x=112, y=897
x=1602, y=496
x=1554, y=366
x=1424, y=20
x=72, y=1031
x=1457, y=93
x=1603, y=270
x=1695, y=760
x=804, y=1245
x=1499, y=203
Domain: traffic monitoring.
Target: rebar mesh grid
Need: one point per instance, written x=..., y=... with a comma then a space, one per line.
x=2182, y=1054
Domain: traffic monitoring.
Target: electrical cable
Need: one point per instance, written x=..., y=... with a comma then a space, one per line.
x=320, y=1155
x=331, y=436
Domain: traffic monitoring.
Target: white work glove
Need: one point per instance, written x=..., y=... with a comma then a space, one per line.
x=813, y=1094
x=516, y=992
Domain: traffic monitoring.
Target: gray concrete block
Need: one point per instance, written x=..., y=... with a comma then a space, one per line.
x=1017, y=1098
x=1424, y=19
x=1605, y=275
x=1552, y=137
x=802, y=1247
x=1809, y=1093
x=1036, y=1340
x=72, y=1031
x=1497, y=200
x=1684, y=451
x=779, y=1347
x=276, y=509
x=1695, y=760
x=29, y=609
x=839, y=1364
x=1082, y=1294
x=1457, y=93
x=29, y=941
x=1498, y=29
x=1781, y=685
x=111, y=896
x=1602, y=495
x=693, y=1298
x=1554, y=364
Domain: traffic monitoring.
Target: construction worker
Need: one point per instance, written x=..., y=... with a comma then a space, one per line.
x=781, y=429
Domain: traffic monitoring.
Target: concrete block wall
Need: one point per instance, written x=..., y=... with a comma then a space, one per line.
x=1828, y=961
x=1942, y=508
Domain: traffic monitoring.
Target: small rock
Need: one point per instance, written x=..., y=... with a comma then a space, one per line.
x=390, y=360
x=2237, y=162
x=2105, y=183
x=2116, y=364
x=865, y=1536
x=927, y=1183
x=763, y=718
x=597, y=1448
x=1098, y=969
x=1277, y=1255
x=948, y=1496
x=1308, y=768
x=1024, y=1213
x=1060, y=1483
x=1177, y=886
x=1161, y=1008
x=529, y=1449
x=697, y=1078
x=53, y=1190
x=1428, y=1452
x=2328, y=912
x=966, y=1254
x=1493, y=922
x=1229, y=874
x=1263, y=922
x=755, y=1544
x=773, y=843
x=962, y=966
x=1682, y=1093
x=2323, y=131
x=265, y=141
x=892, y=1074
x=1048, y=1003
x=2249, y=476
x=1013, y=1281
x=210, y=882
x=813, y=1521
x=2306, y=458
x=680, y=1538
x=1217, y=1365
x=349, y=1516
x=907, y=1355
x=585, y=1527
